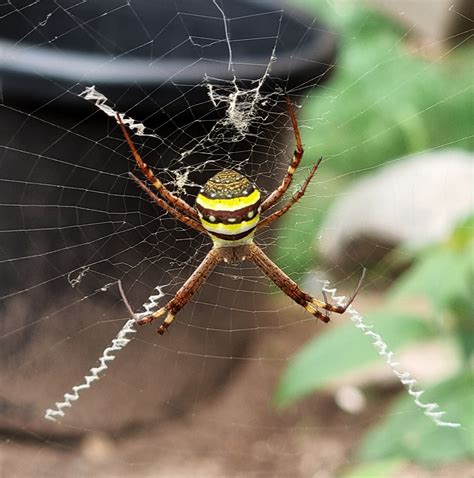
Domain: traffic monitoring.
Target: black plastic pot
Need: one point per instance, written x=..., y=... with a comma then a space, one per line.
x=153, y=52
x=67, y=202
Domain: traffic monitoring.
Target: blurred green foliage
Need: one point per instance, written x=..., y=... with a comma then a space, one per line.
x=385, y=102
x=379, y=469
x=347, y=350
x=442, y=274
x=382, y=103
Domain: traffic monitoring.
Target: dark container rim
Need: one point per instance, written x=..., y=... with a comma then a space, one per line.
x=40, y=73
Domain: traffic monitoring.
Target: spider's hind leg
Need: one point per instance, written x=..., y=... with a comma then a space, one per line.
x=338, y=309
x=185, y=293
x=291, y=288
x=156, y=315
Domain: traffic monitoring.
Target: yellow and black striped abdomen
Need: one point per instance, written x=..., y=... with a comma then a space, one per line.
x=229, y=207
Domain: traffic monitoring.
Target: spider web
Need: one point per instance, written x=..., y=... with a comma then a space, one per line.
x=81, y=246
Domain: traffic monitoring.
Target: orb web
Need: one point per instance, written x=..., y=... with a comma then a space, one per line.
x=75, y=228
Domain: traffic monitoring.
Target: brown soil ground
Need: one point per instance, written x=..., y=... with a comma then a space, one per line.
x=234, y=434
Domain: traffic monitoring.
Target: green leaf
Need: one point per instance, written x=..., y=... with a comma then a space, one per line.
x=463, y=235
x=378, y=469
x=358, y=125
x=343, y=349
x=407, y=432
x=462, y=308
x=440, y=275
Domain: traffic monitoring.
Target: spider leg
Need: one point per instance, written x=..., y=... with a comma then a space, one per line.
x=325, y=297
x=295, y=161
x=177, y=202
x=185, y=293
x=338, y=309
x=291, y=288
x=163, y=204
x=294, y=199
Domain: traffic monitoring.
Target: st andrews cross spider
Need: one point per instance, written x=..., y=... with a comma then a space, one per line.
x=228, y=209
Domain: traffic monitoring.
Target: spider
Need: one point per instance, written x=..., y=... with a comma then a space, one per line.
x=228, y=208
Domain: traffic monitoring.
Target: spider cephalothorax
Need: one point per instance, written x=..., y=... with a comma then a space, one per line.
x=228, y=208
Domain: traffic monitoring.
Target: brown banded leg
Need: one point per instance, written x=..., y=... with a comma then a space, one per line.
x=339, y=309
x=185, y=293
x=291, y=288
x=175, y=201
x=294, y=199
x=163, y=204
x=276, y=195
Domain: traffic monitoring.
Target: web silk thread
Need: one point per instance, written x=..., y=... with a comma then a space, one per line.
x=431, y=410
x=100, y=101
x=109, y=354
x=121, y=340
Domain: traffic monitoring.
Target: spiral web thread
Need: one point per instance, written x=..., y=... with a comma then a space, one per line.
x=431, y=410
x=100, y=101
x=121, y=340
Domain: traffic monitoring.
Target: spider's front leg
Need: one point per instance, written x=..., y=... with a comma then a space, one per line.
x=185, y=293
x=276, y=195
x=292, y=290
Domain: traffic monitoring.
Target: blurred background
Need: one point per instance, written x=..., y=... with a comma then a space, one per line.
x=245, y=383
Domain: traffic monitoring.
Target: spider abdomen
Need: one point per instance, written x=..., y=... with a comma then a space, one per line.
x=229, y=207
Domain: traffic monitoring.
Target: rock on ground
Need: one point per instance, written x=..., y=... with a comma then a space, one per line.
x=413, y=201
